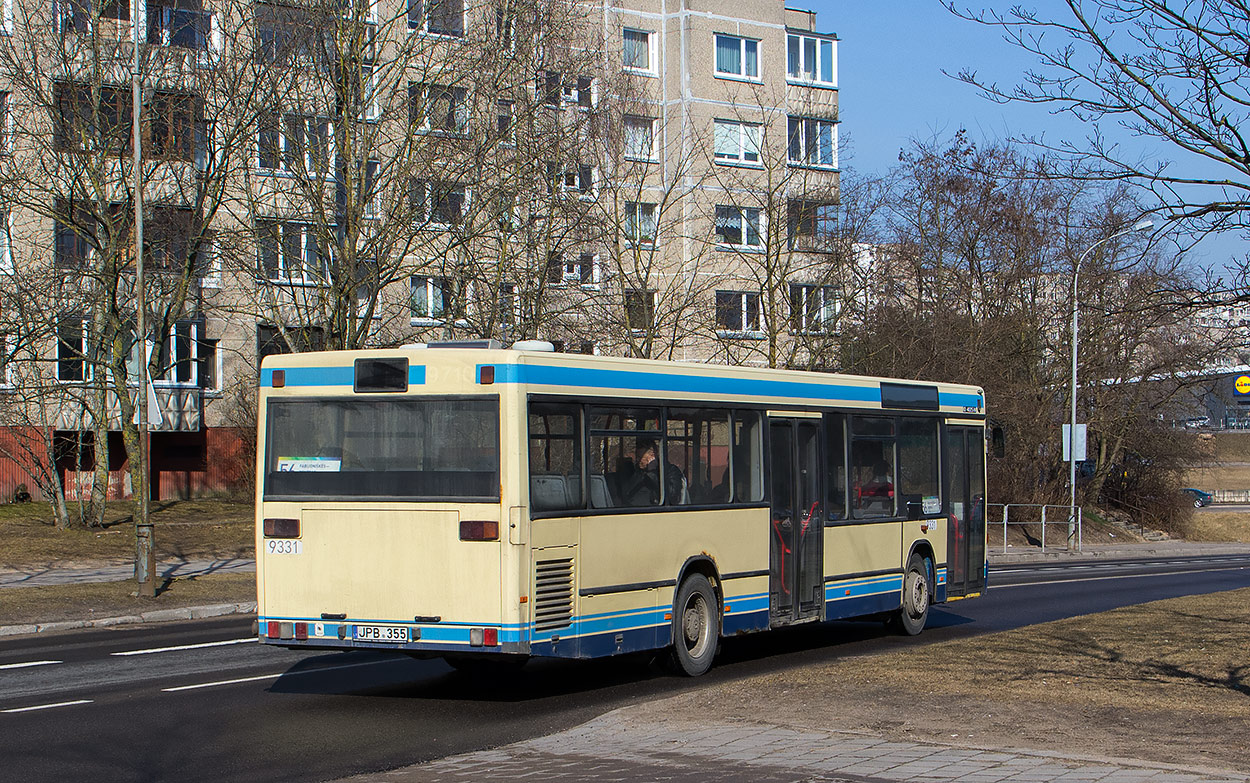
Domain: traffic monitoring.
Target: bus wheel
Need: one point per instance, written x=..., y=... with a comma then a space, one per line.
x=696, y=626
x=910, y=619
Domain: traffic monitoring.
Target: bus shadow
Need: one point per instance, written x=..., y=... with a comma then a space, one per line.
x=395, y=676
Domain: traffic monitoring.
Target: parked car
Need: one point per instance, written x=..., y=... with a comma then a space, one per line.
x=1200, y=498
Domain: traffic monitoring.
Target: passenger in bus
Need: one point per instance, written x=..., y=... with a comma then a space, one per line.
x=641, y=486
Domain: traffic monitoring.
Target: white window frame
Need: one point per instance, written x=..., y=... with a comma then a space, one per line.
x=748, y=134
x=424, y=27
x=461, y=111
x=639, y=123
x=170, y=347
x=800, y=77
x=7, y=265
x=742, y=58
x=427, y=204
x=283, y=266
x=507, y=137
x=827, y=308
x=650, y=68
x=211, y=277
x=571, y=270
x=634, y=216
x=749, y=303
x=430, y=283
x=87, y=373
x=284, y=140
x=741, y=215
x=807, y=145
x=7, y=344
x=6, y=122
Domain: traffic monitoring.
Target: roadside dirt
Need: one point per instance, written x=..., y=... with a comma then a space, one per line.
x=22, y=605
x=189, y=529
x=1166, y=682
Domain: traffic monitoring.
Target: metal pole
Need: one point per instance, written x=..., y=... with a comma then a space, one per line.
x=1143, y=225
x=145, y=551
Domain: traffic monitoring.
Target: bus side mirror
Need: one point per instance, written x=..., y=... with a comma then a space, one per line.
x=998, y=444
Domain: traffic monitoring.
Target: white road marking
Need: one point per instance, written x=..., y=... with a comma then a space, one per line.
x=258, y=678
x=186, y=647
x=48, y=706
x=1122, y=576
x=27, y=664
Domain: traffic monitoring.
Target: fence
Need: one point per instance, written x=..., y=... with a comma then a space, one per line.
x=1060, y=520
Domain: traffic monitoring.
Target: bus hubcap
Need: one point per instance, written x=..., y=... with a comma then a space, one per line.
x=694, y=623
x=919, y=594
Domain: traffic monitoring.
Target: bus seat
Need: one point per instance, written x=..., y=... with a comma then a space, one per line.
x=599, y=497
x=548, y=492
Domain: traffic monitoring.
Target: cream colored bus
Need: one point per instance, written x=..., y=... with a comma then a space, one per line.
x=481, y=504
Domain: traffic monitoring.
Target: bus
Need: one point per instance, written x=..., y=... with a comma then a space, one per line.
x=488, y=505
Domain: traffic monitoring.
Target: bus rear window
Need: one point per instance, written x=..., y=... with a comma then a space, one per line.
x=393, y=449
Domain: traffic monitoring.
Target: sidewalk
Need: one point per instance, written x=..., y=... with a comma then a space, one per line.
x=1144, y=549
x=38, y=577
x=626, y=747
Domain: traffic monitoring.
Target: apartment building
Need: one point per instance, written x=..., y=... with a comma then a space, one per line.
x=644, y=178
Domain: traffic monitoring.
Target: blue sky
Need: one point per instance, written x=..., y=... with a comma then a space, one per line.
x=892, y=89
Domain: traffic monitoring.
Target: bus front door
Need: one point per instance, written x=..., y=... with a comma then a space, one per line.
x=796, y=562
x=965, y=529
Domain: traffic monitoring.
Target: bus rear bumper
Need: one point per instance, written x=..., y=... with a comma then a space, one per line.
x=348, y=635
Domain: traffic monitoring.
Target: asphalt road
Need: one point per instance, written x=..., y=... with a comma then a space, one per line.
x=116, y=705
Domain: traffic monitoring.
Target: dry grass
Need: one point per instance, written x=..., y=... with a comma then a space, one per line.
x=19, y=605
x=1109, y=684
x=1219, y=526
x=187, y=529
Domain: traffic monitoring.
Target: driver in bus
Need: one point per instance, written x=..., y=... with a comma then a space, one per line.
x=642, y=487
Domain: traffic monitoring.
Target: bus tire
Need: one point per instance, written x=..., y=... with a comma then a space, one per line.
x=696, y=626
x=911, y=617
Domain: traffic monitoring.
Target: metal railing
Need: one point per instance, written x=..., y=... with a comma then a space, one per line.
x=1056, y=519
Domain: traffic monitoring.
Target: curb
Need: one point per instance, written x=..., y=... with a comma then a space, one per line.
x=153, y=616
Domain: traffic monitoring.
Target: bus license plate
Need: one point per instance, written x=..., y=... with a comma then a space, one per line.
x=382, y=633
x=284, y=546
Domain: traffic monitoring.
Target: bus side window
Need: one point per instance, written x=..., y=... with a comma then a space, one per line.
x=918, y=466
x=873, y=460
x=748, y=457
x=618, y=439
x=835, y=464
x=555, y=447
x=698, y=446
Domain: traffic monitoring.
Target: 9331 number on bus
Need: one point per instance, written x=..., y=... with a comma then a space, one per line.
x=284, y=546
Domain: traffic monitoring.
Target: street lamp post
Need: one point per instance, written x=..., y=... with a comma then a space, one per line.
x=1144, y=225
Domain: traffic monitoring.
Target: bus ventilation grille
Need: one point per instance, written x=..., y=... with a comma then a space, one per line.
x=553, y=594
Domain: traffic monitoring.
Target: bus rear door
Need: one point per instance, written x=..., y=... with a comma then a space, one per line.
x=796, y=567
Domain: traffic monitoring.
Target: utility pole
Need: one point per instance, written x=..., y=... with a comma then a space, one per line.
x=145, y=550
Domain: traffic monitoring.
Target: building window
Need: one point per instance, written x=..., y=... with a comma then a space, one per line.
x=639, y=137
x=171, y=126
x=812, y=225
x=438, y=107
x=738, y=312
x=78, y=128
x=738, y=226
x=431, y=298
x=178, y=363
x=208, y=359
x=640, y=222
x=6, y=243
x=813, y=142
x=289, y=252
x=578, y=178
x=74, y=230
x=555, y=90
x=441, y=17
x=296, y=143
x=182, y=24
x=637, y=54
x=736, y=142
x=71, y=349
x=737, y=56
x=6, y=122
x=639, y=309
x=437, y=203
x=504, y=113
x=271, y=340
x=575, y=270
x=813, y=308
x=811, y=60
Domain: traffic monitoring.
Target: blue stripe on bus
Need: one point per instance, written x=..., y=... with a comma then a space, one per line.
x=637, y=380
x=330, y=376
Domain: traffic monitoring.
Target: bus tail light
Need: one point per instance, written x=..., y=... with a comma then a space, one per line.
x=301, y=631
x=281, y=528
x=479, y=530
x=490, y=637
x=273, y=629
